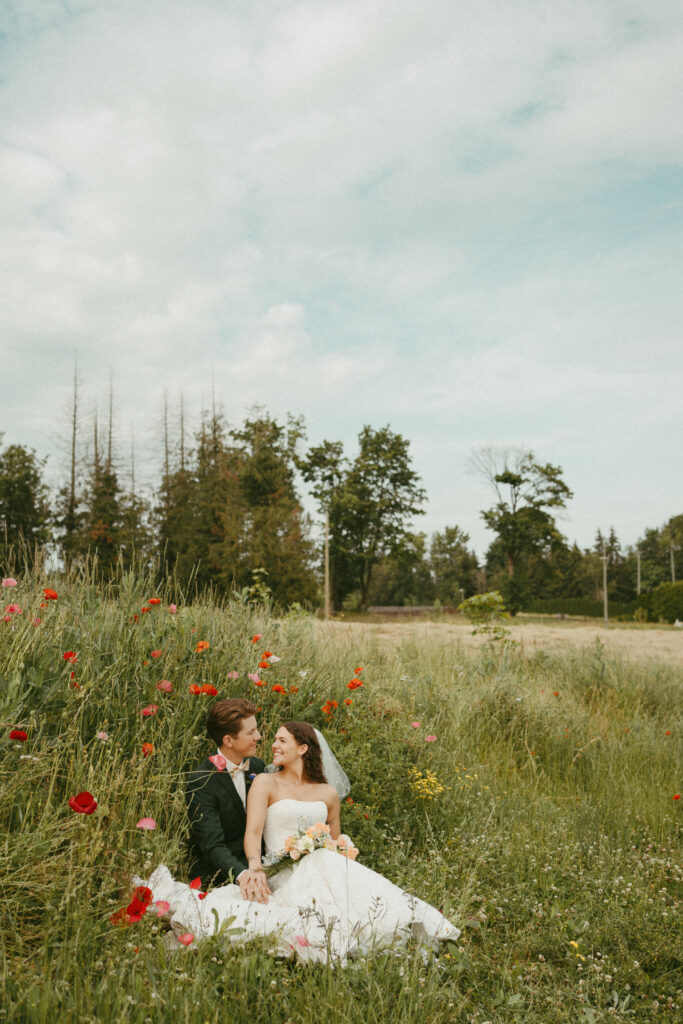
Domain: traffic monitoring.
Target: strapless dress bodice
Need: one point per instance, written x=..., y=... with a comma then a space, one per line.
x=287, y=817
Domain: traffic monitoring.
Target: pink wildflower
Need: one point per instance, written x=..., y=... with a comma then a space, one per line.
x=147, y=824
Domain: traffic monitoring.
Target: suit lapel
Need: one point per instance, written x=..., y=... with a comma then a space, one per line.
x=231, y=792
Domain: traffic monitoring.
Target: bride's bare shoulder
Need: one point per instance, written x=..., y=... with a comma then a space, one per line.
x=262, y=783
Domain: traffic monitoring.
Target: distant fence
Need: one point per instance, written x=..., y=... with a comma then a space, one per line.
x=581, y=606
x=410, y=610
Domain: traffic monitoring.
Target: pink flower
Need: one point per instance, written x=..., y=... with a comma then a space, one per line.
x=37, y=621
x=165, y=686
x=294, y=854
x=301, y=940
x=415, y=725
x=151, y=709
x=13, y=609
x=232, y=675
x=219, y=761
x=156, y=654
x=9, y=582
x=430, y=739
x=103, y=736
x=163, y=907
x=254, y=677
x=147, y=824
x=187, y=938
x=172, y=609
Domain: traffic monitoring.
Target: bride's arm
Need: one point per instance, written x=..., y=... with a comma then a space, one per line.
x=256, y=884
x=257, y=805
x=332, y=802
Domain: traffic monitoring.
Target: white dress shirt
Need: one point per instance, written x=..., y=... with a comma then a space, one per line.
x=240, y=785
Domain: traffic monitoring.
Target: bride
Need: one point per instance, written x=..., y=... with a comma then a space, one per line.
x=326, y=906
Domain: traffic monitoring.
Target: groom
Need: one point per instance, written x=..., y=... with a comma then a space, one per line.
x=216, y=798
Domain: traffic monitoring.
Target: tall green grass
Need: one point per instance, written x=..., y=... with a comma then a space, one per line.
x=554, y=844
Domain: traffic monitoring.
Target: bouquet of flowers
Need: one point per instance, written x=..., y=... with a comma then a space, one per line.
x=308, y=839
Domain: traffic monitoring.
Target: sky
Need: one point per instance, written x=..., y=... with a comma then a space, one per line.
x=463, y=221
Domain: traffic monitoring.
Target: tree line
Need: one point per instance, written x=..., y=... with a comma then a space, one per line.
x=227, y=513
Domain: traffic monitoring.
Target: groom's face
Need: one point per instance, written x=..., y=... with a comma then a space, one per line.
x=244, y=744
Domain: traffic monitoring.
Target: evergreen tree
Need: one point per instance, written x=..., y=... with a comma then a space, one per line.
x=454, y=567
x=404, y=577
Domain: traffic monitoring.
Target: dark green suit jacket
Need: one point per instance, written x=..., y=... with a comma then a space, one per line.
x=217, y=823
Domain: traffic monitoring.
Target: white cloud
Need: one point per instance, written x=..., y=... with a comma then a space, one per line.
x=362, y=212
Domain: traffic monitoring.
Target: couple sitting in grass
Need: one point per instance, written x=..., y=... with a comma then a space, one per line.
x=269, y=856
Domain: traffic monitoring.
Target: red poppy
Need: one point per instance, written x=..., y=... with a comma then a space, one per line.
x=50, y=595
x=143, y=893
x=83, y=803
x=70, y=656
x=150, y=710
x=255, y=639
x=267, y=654
x=555, y=693
x=136, y=909
x=154, y=600
x=350, y=800
x=147, y=749
x=358, y=670
x=156, y=654
x=354, y=684
x=668, y=732
x=264, y=664
x=196, y=883
x=144, y=609
x=294, y=689
x=18, y=734
x=195, y=688
x=279, y=689
x=201, y=895
x=677, y=796
x=259, y=682
x=202, y=645
x=209, y=689
x=348, y=700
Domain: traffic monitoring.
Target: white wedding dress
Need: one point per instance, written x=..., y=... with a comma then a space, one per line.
x=325, y=907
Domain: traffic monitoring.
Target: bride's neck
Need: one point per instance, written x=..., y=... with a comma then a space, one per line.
x=294, y=776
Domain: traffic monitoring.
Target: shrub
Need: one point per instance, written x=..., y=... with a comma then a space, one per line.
x=667, y=602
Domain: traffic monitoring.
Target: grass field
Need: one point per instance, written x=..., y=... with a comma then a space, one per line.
x=554, y=843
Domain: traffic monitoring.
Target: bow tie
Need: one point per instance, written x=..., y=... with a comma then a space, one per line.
x=221, y=763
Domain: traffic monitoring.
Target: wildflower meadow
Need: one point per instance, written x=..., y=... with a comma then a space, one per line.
x=534, y=799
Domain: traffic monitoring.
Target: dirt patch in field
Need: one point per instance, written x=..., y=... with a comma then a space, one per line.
x=629, y=642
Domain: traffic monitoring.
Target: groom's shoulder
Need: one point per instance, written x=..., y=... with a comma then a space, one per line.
x=200, y=774
x=256, y=765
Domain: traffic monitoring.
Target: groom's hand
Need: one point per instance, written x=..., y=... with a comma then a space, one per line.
x=254, y=886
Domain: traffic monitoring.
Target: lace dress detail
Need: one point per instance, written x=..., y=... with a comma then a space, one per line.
x=325, y=907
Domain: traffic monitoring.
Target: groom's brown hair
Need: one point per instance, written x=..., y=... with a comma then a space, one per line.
x=226, y=716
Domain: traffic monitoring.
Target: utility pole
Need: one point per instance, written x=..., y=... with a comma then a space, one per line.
x=638, y=572
x=327, y=566
x=673, y=547
x=604, y=556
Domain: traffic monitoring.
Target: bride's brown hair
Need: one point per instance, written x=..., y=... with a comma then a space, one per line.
x=313, y=758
